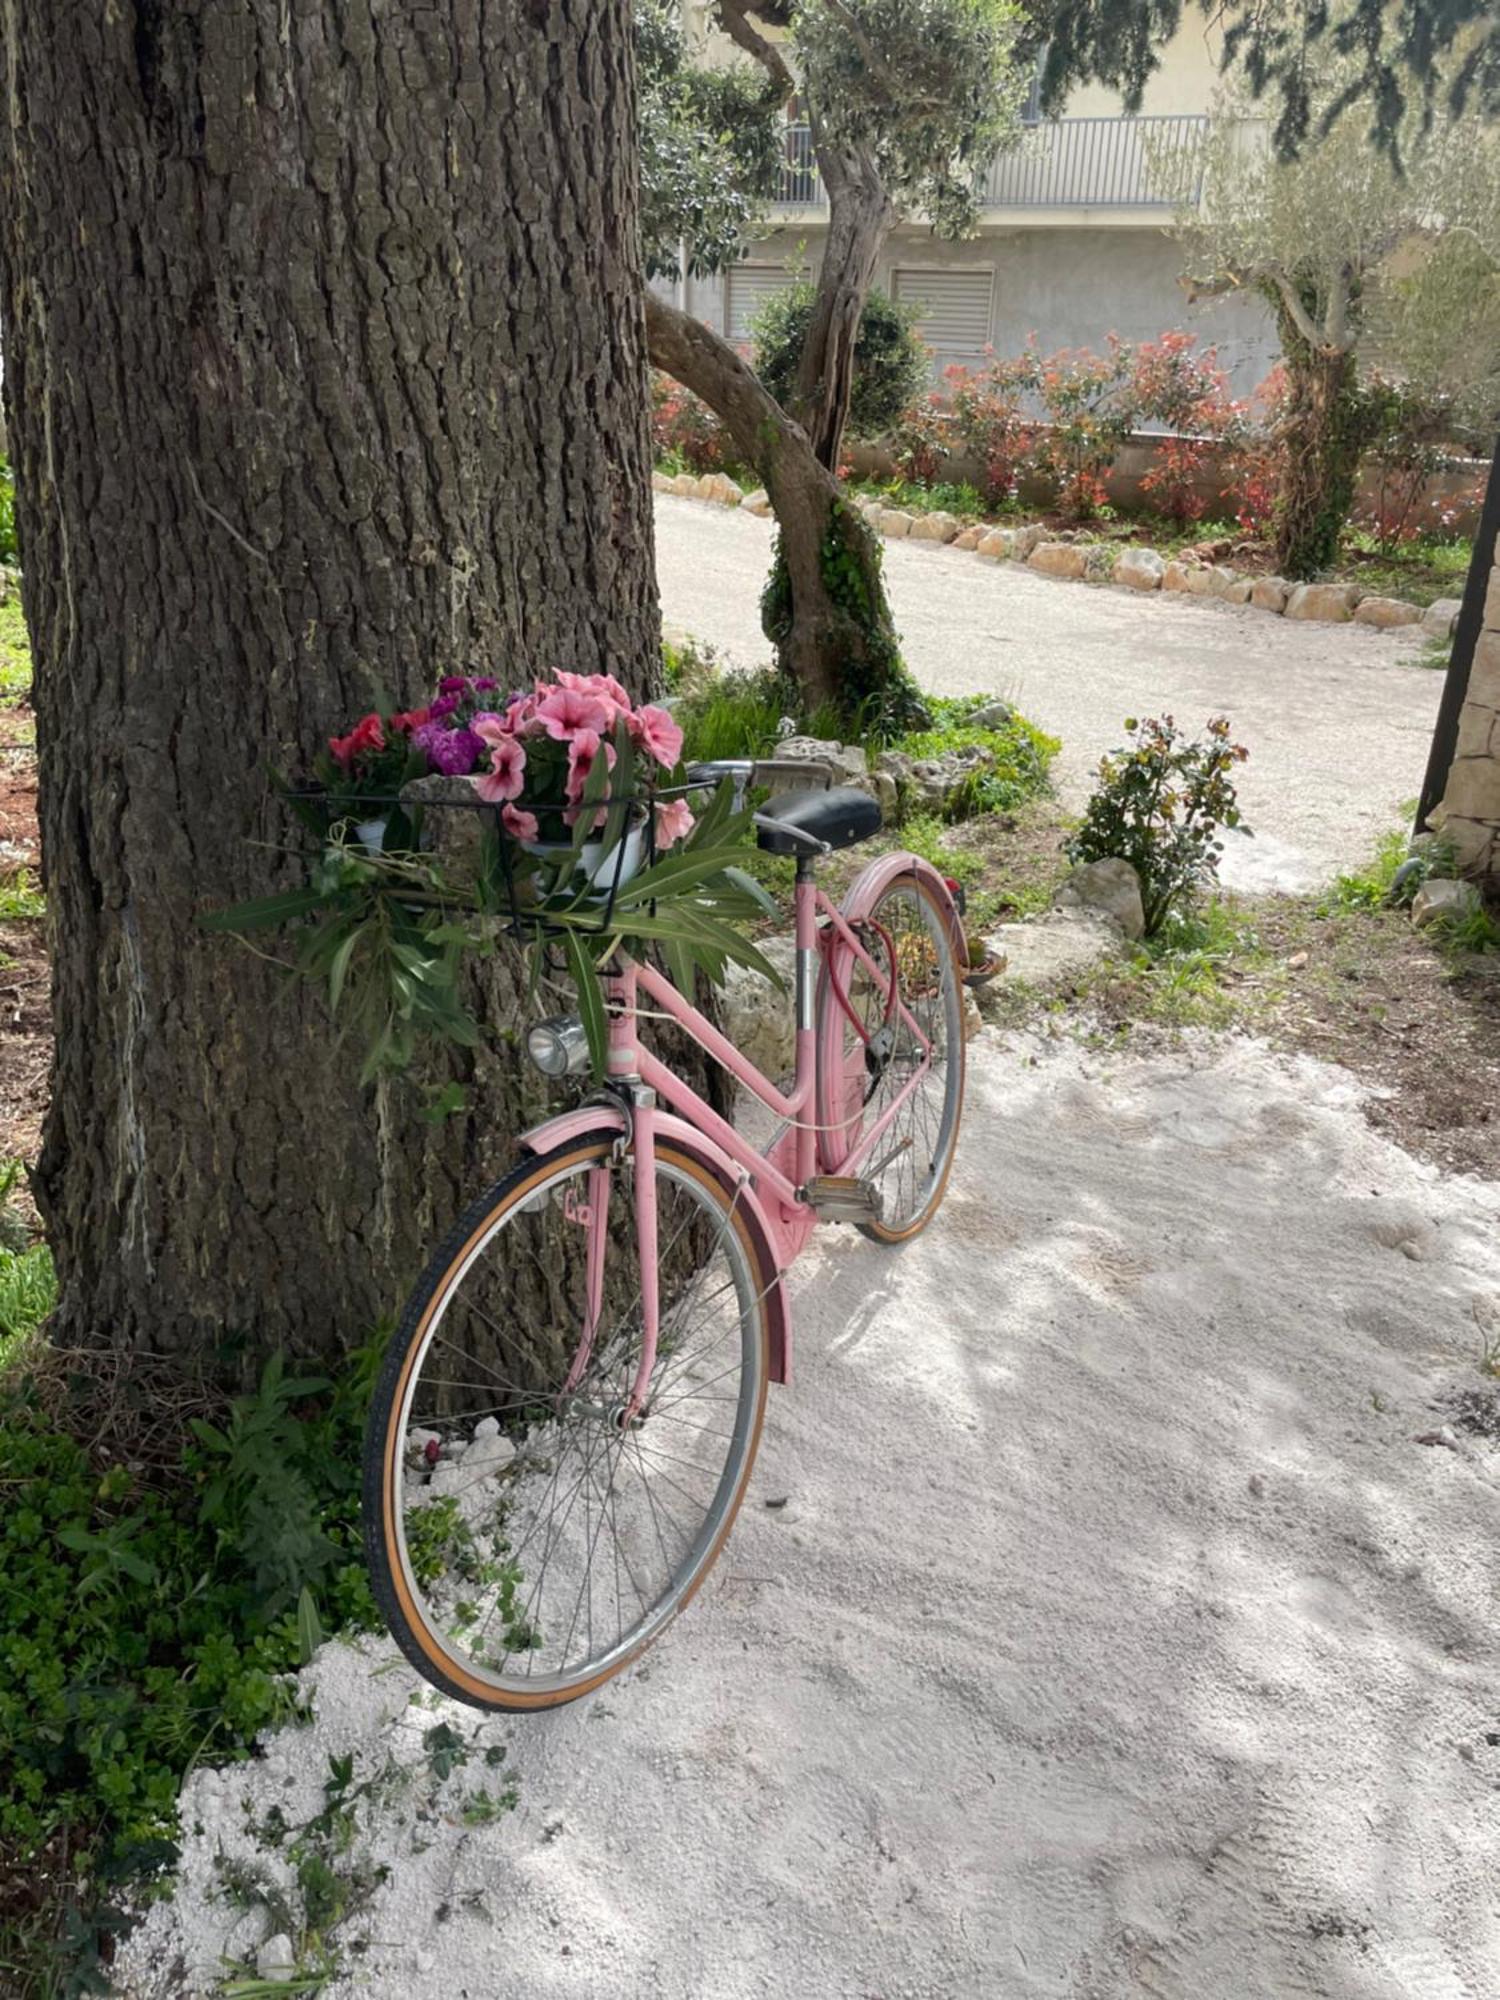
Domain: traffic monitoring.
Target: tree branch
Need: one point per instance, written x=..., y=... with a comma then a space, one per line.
x=734, y=17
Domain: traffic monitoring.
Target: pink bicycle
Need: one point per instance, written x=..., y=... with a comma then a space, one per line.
x=568, y=1415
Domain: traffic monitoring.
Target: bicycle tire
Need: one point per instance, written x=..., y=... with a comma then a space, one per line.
x=391, y=1477
x=844, y=1096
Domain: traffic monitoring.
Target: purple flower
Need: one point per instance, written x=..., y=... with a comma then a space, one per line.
x=452, y=684
x=485, y=683
x=453, y=752
x=444, y=705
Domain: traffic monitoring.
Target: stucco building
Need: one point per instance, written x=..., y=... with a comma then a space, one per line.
x=1075, y=242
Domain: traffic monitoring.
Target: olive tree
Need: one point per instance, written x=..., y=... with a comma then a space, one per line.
x=907, y=101
x=1359, y=253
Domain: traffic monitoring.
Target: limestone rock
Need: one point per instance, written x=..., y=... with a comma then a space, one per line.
x=1484, y=672
x=844, y=762
x=882, y=788
x=276, y=1959
x=1208, y=580
x=1331, y=603
x=931, y=784
x=998, y=544
x=1269, y=593
x=1140, y=569
x=1492, y=602
x=1110, y=886
x=1239, y=591
x=934, y=527
x=969, y=539
x=757, y=1019
x=994, y=715
x=719, y=488
x=1441, y=616
x=1058, y=559
x=1439, y=898
x=661, y=482
x=756, y=502
x=1175, y=576
x=684, y=484
x=894, y=523
x=1386, y=612
x=1051, y=951
x=1028, y=537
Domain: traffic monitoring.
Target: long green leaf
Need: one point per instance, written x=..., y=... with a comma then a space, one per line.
x=265, y=911
x=590, y=999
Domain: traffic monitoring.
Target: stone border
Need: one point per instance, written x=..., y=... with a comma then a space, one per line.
x=1135, y=568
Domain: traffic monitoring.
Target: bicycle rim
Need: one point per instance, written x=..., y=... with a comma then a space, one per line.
x=524, y=1545
x=874, y=1064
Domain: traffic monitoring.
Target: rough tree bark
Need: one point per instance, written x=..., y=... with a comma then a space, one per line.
x=835, y=637
x=1324, y=435
x=324, y=373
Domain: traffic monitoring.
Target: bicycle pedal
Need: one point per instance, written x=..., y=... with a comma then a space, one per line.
x=843, y=1198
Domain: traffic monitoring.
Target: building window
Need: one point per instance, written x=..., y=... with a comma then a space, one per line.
x=955, y=316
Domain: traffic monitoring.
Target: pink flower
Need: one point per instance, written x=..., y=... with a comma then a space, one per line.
x=673, y=822
x=654, y=730
x=504, y=778
x=518, y=823
x=582, y=751
x=567, y=712
x=602, y=687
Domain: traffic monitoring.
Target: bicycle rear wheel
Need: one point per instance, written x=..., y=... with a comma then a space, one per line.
x=870, y=1059
x=526, y=1542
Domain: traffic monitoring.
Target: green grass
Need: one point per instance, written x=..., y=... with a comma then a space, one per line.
x=15, y=652
x=1415, y=571
x=1369, y=888
x=20, y=897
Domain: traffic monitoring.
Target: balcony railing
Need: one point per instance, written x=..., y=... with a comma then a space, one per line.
x=1067, y=163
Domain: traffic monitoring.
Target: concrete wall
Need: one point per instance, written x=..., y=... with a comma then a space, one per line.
x=1069, y=285
x=1470, y=812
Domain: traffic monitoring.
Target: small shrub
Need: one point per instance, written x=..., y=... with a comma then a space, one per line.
x=1186, y=393
x=686, y=436
x=1414, y=438
x=1090, y=409
x=1159, y=804
x=923, y=436
x=149, y=1617
x=1021, y=771
x=890, y=362
x=990, y=423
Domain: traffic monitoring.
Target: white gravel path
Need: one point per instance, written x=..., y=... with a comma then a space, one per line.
x=1337, y=717
x=1117, y=1636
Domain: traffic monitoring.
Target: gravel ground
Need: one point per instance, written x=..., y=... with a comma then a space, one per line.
x=1111, y=1614
x=1337, y=718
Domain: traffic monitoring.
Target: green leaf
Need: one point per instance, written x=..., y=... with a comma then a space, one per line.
x=265, y=911
x=338, y=970
x=309, y=1626
x=590, y=999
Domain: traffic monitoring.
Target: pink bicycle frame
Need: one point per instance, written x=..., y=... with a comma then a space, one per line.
x=771, y=1183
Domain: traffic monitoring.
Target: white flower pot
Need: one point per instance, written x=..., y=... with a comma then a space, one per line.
x=371, y=833
x=597, y=867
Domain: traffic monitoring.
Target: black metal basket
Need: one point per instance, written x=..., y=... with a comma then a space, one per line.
x=525, y=918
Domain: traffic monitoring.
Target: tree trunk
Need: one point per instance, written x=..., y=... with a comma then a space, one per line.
x=1324, y=433
x=860, y=217
x=325, y=375
x=825, y=606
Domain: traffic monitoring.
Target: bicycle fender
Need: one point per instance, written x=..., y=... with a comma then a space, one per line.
x=570, y=1125
x=872, y=882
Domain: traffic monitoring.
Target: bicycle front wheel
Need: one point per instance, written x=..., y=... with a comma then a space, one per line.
x=896, y=1063
x=527, y=1539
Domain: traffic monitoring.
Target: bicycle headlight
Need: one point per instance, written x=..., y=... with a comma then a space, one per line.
x=559, y=1046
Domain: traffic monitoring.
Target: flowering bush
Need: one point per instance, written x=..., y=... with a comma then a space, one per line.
x=685, y=433
x=1254, y=463
x=1413, y=439
x=922, y=437
x=1090, y=411
x=990, y=422
x=1159, y=804
x=1187, y=394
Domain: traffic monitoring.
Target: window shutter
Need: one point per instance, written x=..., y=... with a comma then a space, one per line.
x=746, y=290
x=955, y=307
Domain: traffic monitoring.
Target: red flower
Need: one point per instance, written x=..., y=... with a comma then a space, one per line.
x=410, y=719
x=367, y=734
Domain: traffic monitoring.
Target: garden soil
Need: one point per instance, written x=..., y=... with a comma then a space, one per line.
x=1112, y=1614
